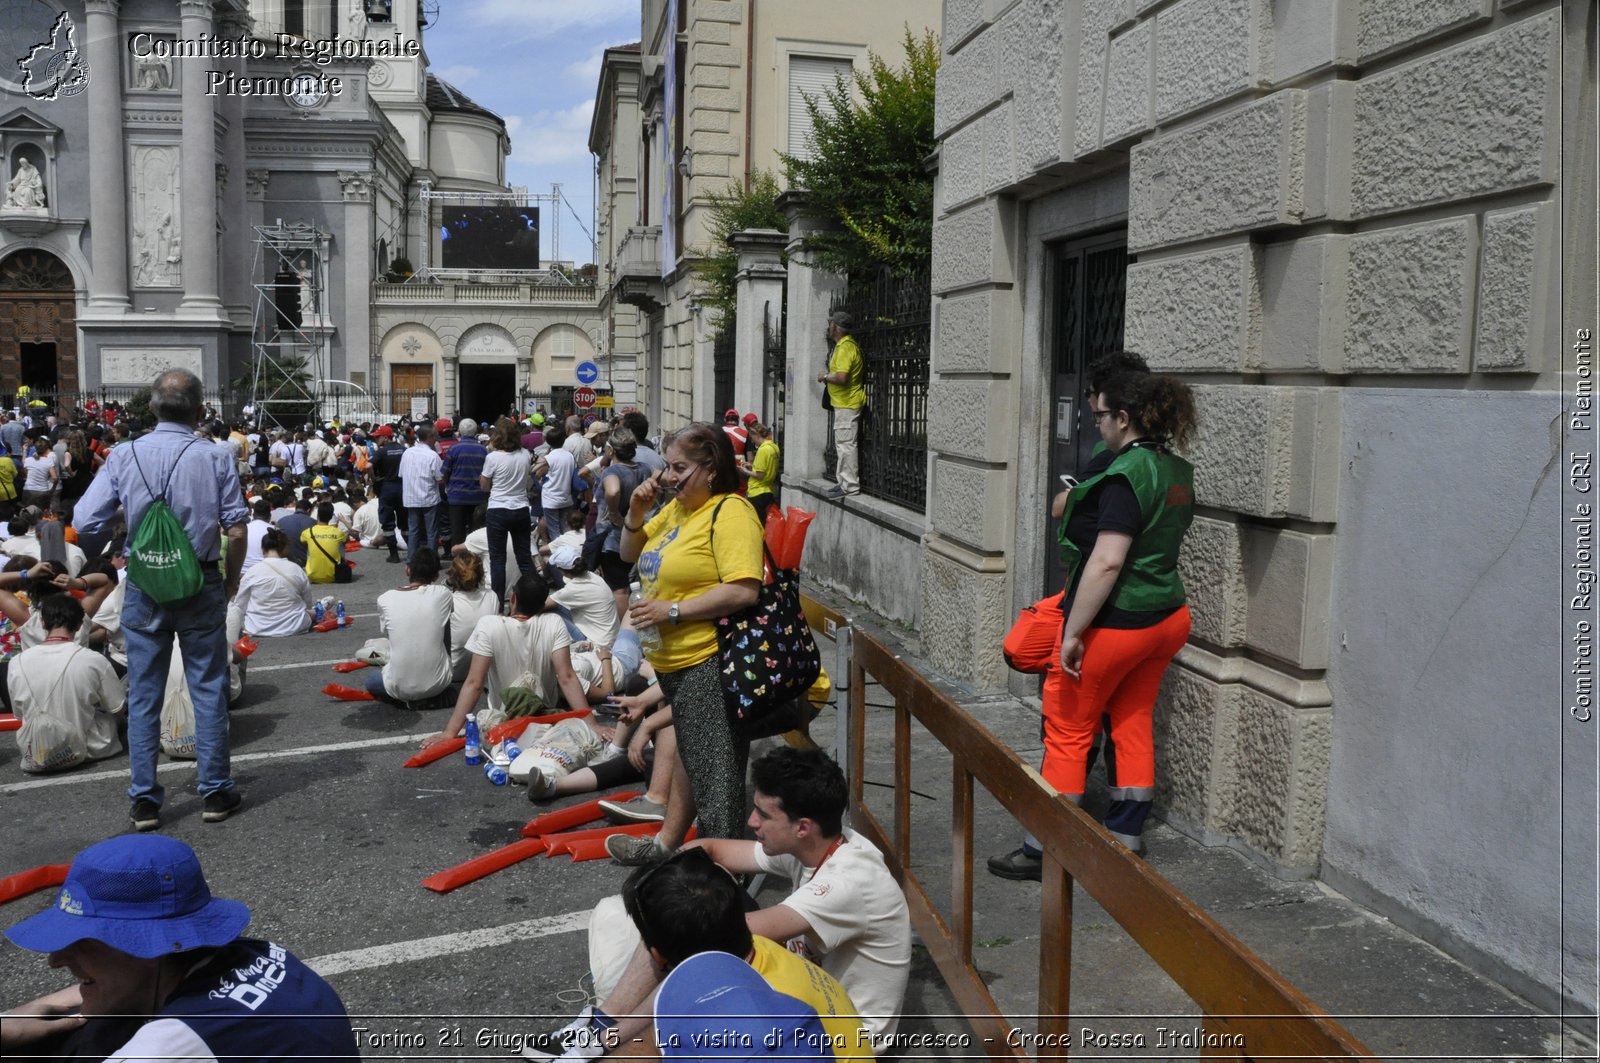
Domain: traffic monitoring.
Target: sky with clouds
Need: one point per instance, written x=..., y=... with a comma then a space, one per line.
x=536, y=63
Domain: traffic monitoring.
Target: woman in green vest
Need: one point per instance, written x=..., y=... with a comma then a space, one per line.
x=1125, y=605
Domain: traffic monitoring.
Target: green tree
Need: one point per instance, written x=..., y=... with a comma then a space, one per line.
x=868, y=170
x=733, y=210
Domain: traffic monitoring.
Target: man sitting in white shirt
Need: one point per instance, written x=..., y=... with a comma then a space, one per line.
x=847, y=914
x=67, y=696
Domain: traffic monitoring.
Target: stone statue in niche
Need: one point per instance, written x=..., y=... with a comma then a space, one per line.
x=308, y=303
x=25, y=190
x=152, y=74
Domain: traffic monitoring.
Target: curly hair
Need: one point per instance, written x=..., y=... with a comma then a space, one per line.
x=1159, y=406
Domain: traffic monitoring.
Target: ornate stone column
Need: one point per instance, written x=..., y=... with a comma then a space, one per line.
x=108, y=194
x=237, y=236
x=199, y=169
x=352, y=315
x=811, y=292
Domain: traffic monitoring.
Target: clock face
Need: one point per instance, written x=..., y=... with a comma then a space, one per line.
x=307, y=91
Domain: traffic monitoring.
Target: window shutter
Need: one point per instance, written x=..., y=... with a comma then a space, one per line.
x=813, y=77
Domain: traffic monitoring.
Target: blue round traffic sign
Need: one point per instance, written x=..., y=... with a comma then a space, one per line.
x=588, y=372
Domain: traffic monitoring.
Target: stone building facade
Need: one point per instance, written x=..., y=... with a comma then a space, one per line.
x=1340, y=221
x=718, y=86
x=154, y=181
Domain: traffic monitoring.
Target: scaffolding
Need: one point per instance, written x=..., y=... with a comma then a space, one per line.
x=289, y=338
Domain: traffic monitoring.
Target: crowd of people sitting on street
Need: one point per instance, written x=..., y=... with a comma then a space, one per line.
x=624, y=551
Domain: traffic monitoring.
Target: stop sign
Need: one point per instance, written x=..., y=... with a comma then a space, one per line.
x=583, y=398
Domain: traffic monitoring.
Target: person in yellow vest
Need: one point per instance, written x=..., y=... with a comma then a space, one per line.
x=762, y=472
x=845, y=377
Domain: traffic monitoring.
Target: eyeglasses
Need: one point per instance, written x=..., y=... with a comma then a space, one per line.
x=1097, y=414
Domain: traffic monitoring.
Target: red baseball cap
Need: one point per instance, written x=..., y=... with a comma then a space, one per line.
x=444, y=424
x=750, y=419
x=383, y=430
x=730, y=415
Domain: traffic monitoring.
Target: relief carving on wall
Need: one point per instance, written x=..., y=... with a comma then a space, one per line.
x=153, y=216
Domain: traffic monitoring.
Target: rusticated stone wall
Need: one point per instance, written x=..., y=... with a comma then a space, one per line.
x=1337, y=210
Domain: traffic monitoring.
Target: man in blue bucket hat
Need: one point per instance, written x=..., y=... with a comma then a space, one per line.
x=162, y=973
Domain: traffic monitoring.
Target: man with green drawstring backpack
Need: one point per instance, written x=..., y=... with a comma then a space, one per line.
x=200, y=486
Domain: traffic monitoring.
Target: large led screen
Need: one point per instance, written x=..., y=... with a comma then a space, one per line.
x=490, y=237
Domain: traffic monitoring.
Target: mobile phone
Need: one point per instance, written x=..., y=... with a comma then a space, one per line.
x=1068, y=480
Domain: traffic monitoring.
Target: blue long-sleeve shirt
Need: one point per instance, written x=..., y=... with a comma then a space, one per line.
x=202, y=489
x=463, y=464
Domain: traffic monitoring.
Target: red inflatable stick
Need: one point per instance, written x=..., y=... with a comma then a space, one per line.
x=351, y=666
x=437, y=751
x=9, y=723
x=25, y=882
x=344, y=693
x=510, y=728
x=353, y=544
x=588, y=849
x=557, y=844
x=246, y=646
x=563, y=818
x=487, y=864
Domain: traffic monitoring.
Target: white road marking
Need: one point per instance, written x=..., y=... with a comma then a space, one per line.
x=242, y=758
x=258, y=669
x=447, y=944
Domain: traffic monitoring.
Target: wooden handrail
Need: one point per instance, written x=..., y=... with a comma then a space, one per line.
x=1243, y=999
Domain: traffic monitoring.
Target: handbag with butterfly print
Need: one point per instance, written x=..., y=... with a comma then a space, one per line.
x=767, y=653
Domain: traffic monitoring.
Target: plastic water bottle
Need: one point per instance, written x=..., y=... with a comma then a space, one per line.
x=495, y=773
x=510, y=750
x=474, y=748
x=339, y=612
x=649, y=637
x=318, y=614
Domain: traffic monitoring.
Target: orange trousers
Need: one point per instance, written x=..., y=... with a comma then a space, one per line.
x=1121, y=673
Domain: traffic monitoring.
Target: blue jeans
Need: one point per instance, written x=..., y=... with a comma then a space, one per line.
x=200, y=626
x=517, y=524
x=422, y=530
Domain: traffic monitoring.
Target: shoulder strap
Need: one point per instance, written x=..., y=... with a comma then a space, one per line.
x=765, y=549
x=162, y=497
x=322, y=549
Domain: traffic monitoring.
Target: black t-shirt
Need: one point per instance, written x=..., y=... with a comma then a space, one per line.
x=387, y=467
x=1110, y=506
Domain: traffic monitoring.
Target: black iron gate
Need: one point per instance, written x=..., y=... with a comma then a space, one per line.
x=774, y=367
x=722, y=361
x=893, y=320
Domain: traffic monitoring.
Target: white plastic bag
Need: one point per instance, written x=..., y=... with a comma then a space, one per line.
x=177, y=713
x=561, y=748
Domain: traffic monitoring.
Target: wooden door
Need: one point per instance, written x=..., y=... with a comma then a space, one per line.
x=407, y=382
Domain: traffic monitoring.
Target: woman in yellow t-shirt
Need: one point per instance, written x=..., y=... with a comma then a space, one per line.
x=700, y=558
x=762, y=470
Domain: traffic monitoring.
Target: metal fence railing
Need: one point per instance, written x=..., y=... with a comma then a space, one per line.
x=1243, y=1000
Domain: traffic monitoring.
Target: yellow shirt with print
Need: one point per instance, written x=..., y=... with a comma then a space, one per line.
x=764, y=469
x=798, y=977
x=678, y=563
x=319, y=565
x=851, y=395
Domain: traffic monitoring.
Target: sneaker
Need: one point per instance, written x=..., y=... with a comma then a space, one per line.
x=394, y=559
x=640, y=810
x=1018, y=865
x=835, y=492
x=145, y=814
x=578, y=1040
x=540, y=786
x=635, y=852
x=220, y=804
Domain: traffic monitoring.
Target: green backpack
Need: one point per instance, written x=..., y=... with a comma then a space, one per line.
x=161, y=559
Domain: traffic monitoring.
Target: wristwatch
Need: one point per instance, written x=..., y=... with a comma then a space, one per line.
x=672, y=612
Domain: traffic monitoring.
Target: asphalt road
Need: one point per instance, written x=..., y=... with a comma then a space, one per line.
x=329, y=849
